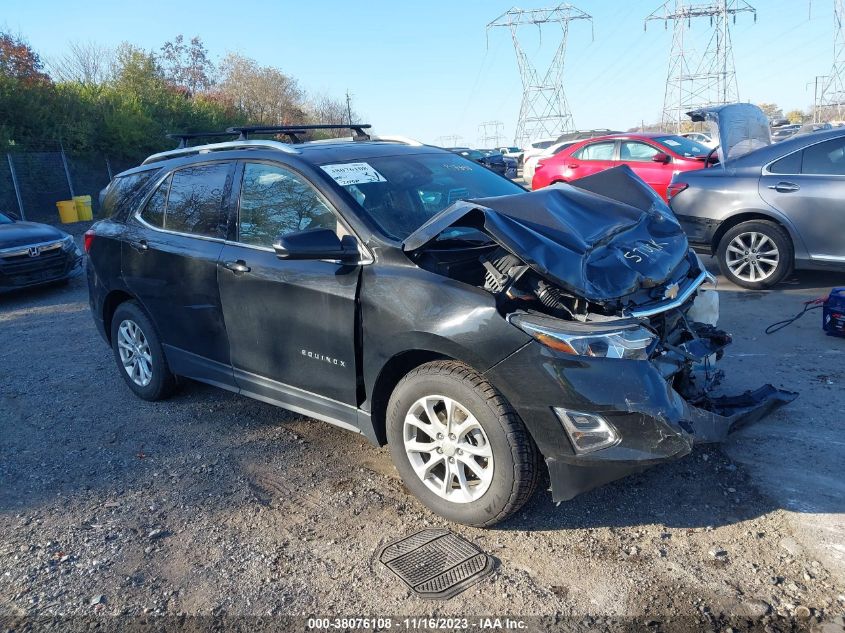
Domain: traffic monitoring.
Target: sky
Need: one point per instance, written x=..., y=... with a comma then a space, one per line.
x=430, y=69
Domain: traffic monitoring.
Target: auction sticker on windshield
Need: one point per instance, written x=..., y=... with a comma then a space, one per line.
x=346, y=174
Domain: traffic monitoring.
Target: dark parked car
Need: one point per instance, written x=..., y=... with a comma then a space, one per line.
x=767, y=211
x=32, y=254
x=410, y=295
x=493, y=161
x=511, y=164
x=784, y=132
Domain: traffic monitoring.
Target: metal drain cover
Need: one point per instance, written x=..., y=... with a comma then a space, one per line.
x=436, y=563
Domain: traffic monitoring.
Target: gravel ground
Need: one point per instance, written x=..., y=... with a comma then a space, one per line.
x=211, y=503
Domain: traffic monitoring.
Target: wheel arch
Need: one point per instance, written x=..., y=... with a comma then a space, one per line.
x=747, y=216
x=110, y=304
x=396, y=368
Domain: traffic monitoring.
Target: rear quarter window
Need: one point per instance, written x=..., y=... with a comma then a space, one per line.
x=123, y=191
x=789, y=164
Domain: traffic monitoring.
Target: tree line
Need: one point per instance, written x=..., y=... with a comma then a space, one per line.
x=121, y=102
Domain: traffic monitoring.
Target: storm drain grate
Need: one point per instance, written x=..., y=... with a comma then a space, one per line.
x=436, y=563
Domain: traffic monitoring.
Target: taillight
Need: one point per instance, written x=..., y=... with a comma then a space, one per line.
x=675, y=188
x=88, y=240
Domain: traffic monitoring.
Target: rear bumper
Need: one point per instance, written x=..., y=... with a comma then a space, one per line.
x=96, y=298
x=653, y=421
x=700, y=231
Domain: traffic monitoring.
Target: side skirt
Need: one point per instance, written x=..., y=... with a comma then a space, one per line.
x=345, y=416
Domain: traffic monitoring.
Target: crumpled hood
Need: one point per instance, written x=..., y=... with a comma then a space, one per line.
x=601, y=237
x=25, y=233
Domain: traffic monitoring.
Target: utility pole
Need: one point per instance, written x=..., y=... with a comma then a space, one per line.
x=544, y=112
x=815, y=83
x=348, y=108
x=694, y=80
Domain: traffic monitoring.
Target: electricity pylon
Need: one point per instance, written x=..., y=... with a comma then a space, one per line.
x=490, y=134
x=831, y=101
x=544, y=112
x=696, y=81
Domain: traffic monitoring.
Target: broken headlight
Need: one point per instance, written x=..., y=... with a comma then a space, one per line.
x=631, y=342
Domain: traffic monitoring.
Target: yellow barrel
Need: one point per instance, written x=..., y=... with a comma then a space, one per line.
x=83, y=208
x=67, y=211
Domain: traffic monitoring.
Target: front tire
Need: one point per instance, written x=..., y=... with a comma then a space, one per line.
x=139, y=355
x=459, y=446
x=756, y=254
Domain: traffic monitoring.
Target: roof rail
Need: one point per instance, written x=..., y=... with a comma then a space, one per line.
x=294, y=132
x=400, y=139
x=184, y=137
x=215, y=147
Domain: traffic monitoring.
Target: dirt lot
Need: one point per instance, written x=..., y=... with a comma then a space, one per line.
x=211, y=503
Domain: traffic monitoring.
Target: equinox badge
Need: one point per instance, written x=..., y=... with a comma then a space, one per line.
x=322, y=357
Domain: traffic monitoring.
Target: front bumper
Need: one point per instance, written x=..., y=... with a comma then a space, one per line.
x=655, y=423
x=25, y=272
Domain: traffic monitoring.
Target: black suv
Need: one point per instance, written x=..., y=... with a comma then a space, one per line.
x=410, y=295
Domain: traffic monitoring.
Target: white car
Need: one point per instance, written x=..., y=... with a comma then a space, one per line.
x=512, y=152
x=536, y=148
x=701, y=138
x=530, y=165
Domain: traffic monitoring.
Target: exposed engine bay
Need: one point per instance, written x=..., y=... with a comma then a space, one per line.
x=597, y=268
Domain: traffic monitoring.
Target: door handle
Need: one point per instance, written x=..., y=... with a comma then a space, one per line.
x=237, y=267
x=573, y=165
x=785, y=187
x=140, y=245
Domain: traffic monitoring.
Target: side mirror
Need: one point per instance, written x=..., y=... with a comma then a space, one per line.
x=316, y=244
x=660, y=157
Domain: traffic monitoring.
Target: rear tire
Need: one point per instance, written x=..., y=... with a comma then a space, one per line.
x=756, y=254
x=482, y=467
x=138, y=353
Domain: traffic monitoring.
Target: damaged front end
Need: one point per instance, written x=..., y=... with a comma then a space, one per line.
x=621, y=370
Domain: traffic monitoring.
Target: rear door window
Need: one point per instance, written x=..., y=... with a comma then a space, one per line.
x=634, y=151
x=826, y=158
x=196, y=202
x=596, y=151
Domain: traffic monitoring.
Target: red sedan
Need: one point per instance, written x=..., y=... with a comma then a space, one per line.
x=654, y=157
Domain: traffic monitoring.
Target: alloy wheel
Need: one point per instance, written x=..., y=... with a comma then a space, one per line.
x=135, y=352
x=448, y=449
x=752, y=256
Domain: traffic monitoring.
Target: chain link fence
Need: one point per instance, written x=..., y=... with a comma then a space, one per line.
x=32, y=182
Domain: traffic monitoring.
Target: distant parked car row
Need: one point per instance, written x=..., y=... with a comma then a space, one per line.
x=492, y=159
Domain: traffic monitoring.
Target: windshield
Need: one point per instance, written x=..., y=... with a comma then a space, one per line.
x=683, y=146
x=404, y=191
x=4, y=219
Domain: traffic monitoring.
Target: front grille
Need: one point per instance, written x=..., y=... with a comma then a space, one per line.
x=21, y=269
